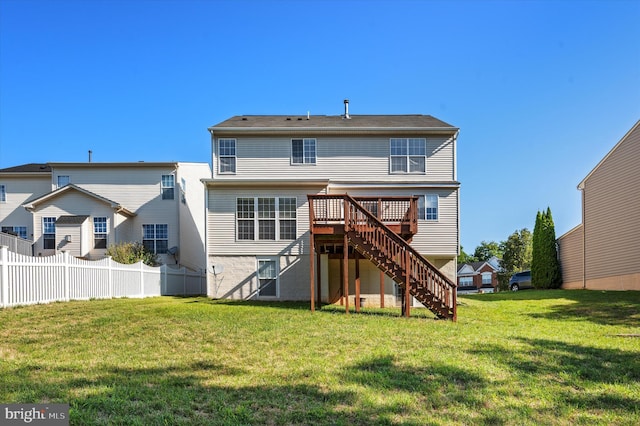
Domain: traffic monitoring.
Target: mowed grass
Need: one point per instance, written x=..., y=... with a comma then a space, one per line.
x=532, y=357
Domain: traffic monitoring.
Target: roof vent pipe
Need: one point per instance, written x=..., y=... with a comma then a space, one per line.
x=346, y=109
x=90, y=152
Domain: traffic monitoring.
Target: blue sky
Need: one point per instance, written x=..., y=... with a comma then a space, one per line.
x=541, y=90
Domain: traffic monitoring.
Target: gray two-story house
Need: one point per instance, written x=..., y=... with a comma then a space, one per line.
x=346, y=208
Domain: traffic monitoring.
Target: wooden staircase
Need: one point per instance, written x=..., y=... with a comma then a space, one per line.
x=393, y=255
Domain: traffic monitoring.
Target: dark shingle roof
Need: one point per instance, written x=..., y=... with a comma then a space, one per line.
x=334, y=121
x=71, y=220
x=28, y=168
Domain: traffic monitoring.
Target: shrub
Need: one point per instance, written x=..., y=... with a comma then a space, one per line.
x=132, y=252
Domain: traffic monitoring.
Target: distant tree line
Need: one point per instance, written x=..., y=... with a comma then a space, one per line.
x=522, y=251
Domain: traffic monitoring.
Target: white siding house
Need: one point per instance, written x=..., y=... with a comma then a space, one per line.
x=264, y=167
x=83, y=208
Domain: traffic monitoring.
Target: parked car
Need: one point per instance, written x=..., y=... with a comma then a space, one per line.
x=520, y=281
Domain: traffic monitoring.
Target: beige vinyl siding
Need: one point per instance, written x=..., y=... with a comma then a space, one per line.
x=221, y=223
x=72, y=203
x=19, y=190
x=570, y=249
x=133, y=188
x=612, y=212
x=357, y=159
x=192, y=216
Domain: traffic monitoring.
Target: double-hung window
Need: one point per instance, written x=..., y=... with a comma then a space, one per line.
x=168, y=186
x=100, y=232
x=3, y=194
x=267, y=278
x=408, y=155
x=226, y=155
x=486, y=278
x=49, y=233
x=303, y=151
x=428, y=207
x=266, y=218
x=155, y=238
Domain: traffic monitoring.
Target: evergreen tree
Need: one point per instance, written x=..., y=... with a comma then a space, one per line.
x=545, y=266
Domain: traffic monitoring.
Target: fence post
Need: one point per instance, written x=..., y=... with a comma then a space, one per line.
x=163, y=279
x=67, y=286
x=110, y=274
x=4, y=276
x=141, y=278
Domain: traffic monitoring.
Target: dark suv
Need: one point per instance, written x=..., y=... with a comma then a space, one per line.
x=520, y=281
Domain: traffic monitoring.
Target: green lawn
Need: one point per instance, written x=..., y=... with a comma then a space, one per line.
x=532, y=357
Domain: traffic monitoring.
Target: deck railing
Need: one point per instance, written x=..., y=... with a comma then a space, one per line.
x=328, y=209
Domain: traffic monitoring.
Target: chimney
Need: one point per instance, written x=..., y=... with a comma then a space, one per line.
x=90, y=152
x=346, y=109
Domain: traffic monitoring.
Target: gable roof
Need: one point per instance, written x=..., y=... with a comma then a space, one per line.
x=635, y=128
x=476, y=266
x=33, y=204
x=333, y=123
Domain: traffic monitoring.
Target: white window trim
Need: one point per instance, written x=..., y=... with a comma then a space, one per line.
x=422, y=213
x=437, y=219
x=155, y=238
x=105, y=233
x=277, y=278
x=315, y=154
x=257, y=219
x=465, y=279
x=407, y=157
x=162, y=187
x=234, y=156
x=487, y=274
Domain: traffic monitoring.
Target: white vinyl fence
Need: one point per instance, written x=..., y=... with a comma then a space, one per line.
x=28, y=280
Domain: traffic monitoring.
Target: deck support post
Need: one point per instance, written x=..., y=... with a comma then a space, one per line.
x=381, y=289
x=312, y=275
x=356, y=255
x=345, y=273
x=319, y=279
x=407, y=283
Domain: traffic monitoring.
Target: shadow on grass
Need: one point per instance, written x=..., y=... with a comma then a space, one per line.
x=572, y=368
x=202, y=394
x=600, y=307
x=176, y=395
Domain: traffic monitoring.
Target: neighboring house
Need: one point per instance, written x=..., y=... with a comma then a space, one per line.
x=18, y=185
x=267, y=168
x=83, y=208
x=602, y=252
x=478, y=276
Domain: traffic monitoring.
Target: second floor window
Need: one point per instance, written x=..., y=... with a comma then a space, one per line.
x=155, y=238
x=3, y=194
x=63, y=180
x=266, y=218
x=303, y=151
x=49, y=233
x=408, y=155
x=100, y=232
x=168, y=184
x=226, y=155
